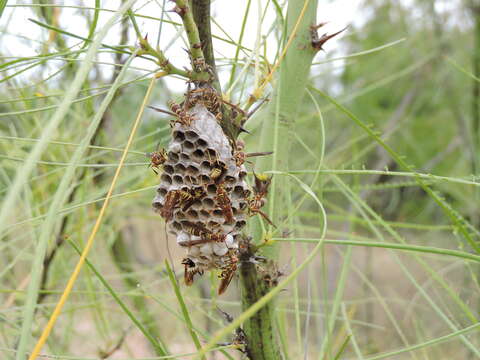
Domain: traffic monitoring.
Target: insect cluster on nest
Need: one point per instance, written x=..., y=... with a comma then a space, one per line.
x=202, y=194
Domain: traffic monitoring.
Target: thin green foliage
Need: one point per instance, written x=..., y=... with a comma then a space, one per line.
x=49, y=225
x=183, y=307
x=156, y=343
x=387, y=159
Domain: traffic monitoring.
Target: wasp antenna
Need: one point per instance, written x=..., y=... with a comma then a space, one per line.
x=254, y=110
x=267, y=218
x=265, y=153
x=162, y=110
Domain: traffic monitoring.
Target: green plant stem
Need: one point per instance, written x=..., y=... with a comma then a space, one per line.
x=454, y=216
x=3, y=3
x=240, y=39
x=252, y=310
x=198, y=59
x=476, y=110
x=183, y=307
x=201, y=15
x=191, y=29
x=476, y=89
x=121, y=257
x=154, y=340
x=279, y=116
x=163, y=62
x=279, y=119
x=61, y=31
x=261, y=342
x=60, y=239
x=414, y=248
x=23, y=173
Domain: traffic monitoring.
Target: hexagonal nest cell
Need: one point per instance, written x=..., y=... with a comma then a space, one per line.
x=200, y=187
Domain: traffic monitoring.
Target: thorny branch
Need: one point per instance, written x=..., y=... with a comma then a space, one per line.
x=183, y=9
x=319, y=41
x=259, y=330
x=201, y=15
x=162, y=61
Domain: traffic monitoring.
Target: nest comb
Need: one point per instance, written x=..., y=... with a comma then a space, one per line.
x=203, y=195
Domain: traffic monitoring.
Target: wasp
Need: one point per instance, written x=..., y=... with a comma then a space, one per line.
x=260, y=191
x=223, y=201
x=206, y=235
x=208, y=96
x=171, y=201
x=217, y=172
x=213, y=103
x=177, y=112
x=190, y=271
x=181, y=115
x=187, y=197
x=228, y=271
x=218, y=168
x=199, y=64
x=157, y=159
x=240, y=156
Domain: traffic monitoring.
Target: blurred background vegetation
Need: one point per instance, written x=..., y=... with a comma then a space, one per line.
x=408, y=288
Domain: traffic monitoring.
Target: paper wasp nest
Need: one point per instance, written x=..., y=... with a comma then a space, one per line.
x=202, y=194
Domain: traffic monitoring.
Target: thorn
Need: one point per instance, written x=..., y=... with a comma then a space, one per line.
x=179, y=10
x=317, y=42
x=316, y=27
x=144, y=42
